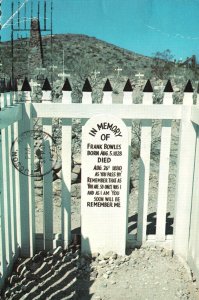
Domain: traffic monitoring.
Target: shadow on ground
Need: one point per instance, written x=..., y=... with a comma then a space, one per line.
x=53, y=275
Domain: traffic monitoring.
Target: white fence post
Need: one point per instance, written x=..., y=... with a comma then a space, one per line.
x=127, y=100
x=26, y=91
x=6, y=184
x=26, y=159
x=193, y=247
x=12, y=178
x=66, y=169
x=87, y=90
x=15, y=171
x=144, y=167
x=108, y=91
x=186, y=158
x=47, y=178
x=3, y=260
x=164, y=168
x=127, y=93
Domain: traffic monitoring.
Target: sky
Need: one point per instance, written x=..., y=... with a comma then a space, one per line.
x=143, y=26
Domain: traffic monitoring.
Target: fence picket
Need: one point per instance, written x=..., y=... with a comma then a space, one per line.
x=3, y=262
x=27, y=205
x=144, y=168
x=107, y=95
x=31, y=185
x=66, y=173
x=12, y=183
x=47, y=189
x=127, y=100
x=193, y=253
x=66, y=182
x=186, y=157
x=6, y=184
x=48, y=176
x=164, y=170
x=127, y=93
x=87, y=90
x=16, y=179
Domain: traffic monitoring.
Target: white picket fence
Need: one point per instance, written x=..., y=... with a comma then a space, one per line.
x=17, y=201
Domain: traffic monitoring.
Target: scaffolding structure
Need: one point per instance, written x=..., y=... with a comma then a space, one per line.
x=24, y=13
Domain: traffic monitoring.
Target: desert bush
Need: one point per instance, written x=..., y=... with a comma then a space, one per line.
x=162, y=64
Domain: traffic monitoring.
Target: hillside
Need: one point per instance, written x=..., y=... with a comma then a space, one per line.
x=83, y=56
x=80, y=51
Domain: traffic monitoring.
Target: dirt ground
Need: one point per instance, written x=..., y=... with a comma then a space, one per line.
x=143, y=274
x=149, y=273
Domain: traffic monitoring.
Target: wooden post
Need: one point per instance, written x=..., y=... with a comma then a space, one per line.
x=164, y=168
x=66, y=169
x=47, y=178
x=144, y=167
x=186, y=158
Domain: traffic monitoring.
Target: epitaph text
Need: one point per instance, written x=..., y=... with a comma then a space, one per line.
x=104, y=183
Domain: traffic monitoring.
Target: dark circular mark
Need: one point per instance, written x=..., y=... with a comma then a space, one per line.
x=45, y=153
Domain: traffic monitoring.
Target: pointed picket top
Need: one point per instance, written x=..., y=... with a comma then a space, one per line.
x=46, y=85
x=107, y=86
x=168, y=88
x=128, y=86
x=188, y=87
x=87, y=87
x=148, y=87
x=67, y=86
x=26, y=86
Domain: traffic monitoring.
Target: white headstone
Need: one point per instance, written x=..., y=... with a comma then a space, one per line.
x=104, y=185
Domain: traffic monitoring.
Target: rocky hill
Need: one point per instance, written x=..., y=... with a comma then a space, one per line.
x=81, y=51
x=88, y=57
x=82, y=54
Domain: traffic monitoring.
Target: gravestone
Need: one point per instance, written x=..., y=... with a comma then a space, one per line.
x=104, y=185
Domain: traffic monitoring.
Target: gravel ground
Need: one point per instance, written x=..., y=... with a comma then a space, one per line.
x=144, y=274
